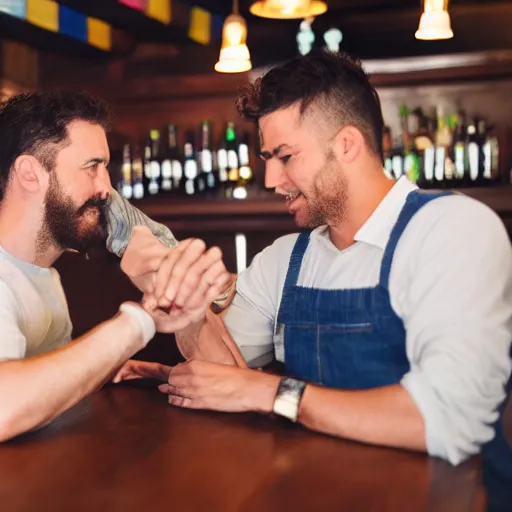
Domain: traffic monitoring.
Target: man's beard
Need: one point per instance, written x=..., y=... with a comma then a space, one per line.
x=67, y=227
x=327, y=202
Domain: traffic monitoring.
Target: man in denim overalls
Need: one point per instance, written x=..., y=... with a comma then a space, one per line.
x=392, y=310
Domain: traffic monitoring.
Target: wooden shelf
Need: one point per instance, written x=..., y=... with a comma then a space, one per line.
x=498, y=198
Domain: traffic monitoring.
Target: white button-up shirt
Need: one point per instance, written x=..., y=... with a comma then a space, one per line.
x=450, y=283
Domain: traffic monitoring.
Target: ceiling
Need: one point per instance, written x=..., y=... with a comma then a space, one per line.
x=371, y=28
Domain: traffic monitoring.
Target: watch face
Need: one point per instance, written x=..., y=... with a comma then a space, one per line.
x=294, y=386
x=288, y=397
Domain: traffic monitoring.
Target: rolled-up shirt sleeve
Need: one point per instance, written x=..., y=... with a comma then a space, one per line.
x=457, y=311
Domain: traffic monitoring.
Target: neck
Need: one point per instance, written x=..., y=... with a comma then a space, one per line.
x=364, y=194
x=20, y=223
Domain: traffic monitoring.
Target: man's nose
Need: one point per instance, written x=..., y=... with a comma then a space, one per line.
x=274, y=174
x=104, y=184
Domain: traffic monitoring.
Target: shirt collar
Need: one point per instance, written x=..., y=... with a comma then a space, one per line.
x=377, y=229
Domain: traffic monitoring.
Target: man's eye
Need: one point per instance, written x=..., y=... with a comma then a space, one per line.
x=285, y=158
x=93, y=167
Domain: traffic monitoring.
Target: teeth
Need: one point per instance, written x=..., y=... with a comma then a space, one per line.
x=292, y=196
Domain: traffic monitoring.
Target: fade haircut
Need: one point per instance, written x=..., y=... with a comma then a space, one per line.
x=36, y=124
x=331, y=81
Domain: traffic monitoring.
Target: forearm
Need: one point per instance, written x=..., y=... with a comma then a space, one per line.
x=384, y=416
x=122, y=217
x=35, y=391
x=209, y=340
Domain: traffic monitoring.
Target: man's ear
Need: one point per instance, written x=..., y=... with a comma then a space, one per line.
x=349, y=143
x=30, y=174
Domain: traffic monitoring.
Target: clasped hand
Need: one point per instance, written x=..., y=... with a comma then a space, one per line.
x=179, y=283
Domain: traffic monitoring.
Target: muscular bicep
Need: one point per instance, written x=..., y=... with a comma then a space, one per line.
x=251, y=330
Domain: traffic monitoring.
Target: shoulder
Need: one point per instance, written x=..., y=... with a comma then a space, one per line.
x=455, y=220
x=261, y=283
x=274, y=259
x=281, y=248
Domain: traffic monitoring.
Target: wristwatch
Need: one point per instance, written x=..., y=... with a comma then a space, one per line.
x=288, y=397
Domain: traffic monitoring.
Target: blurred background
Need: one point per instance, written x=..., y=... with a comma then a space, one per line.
x=171, y=71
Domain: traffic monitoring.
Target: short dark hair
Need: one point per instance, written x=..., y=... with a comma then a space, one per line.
x=36, y=124
x=333, y=80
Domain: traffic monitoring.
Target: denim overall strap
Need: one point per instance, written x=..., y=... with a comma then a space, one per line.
x=299, y=249
x=414, y=202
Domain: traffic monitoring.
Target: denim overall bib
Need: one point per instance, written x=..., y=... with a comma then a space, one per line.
x=350, y=339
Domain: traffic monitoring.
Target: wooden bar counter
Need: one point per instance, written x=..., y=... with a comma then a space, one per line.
x=125, y=449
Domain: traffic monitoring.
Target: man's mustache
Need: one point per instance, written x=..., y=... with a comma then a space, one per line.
x=96, y=203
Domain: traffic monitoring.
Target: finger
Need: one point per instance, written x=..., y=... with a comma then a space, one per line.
x=181, y=268
x=175, y=400
x=215, y=273
x=180, y=401
x=118, y=377
x=163, y=274
x=212, y=258
x=215, y=290
x=153, y=370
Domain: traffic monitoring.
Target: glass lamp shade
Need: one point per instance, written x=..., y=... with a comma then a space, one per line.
x=288, y=9
x=234, y=55
x=435, y=21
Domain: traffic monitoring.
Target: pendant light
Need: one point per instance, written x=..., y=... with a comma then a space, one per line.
x=435, y=21
x=234, y=55
x=288, y=9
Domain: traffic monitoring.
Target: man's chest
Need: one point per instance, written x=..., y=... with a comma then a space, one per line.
x=356, y=267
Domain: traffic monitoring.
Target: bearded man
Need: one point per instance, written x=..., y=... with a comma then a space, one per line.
x=56, y=195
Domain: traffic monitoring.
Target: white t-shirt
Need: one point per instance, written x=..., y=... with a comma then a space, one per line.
x=34, y=315
x=450, y=283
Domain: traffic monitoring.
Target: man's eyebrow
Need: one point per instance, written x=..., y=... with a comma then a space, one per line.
x=267, y=155
x=95, y=160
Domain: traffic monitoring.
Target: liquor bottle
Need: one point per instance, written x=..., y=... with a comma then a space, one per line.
x=154, y=183
x=429, y=152
x=474, y=154
x=443, y=169
x=387, y=144
x=397, y=159
x=422, y=142
x=126, y=184
x=137, y=174
x=190, y=169
x=410, y=161
x=149, y=182
x=232, y=168
x=245, y=173
x=222, y=165
x=206, y=158
x=171, y=167
x=412, y=164
x=491, y=152
x=460, y=151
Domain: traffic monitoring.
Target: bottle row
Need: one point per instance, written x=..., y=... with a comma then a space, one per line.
x=440, y=151
x=163, y=168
